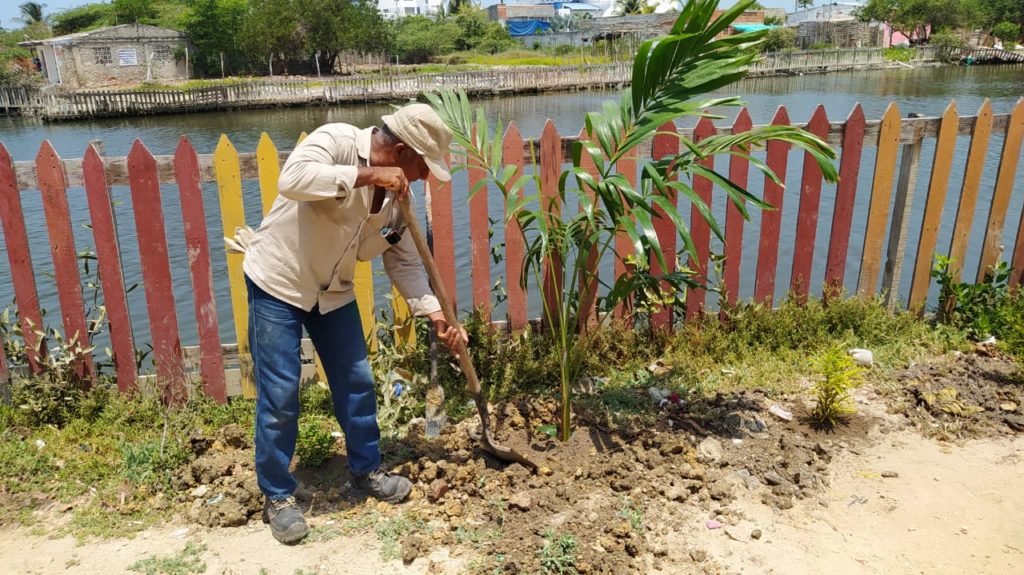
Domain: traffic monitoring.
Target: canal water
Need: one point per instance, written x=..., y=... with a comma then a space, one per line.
x=925, y=91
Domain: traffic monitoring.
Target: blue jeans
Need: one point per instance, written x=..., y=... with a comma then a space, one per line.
x=275, y=336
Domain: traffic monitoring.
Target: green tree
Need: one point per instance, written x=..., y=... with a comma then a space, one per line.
x=480, y=33
x=1006, y=31
x=418, y=39
x=805, y=3
x=673, y=77
x=31, y=13
x=215, y=27
x=330, y=27
x=270, y=30
x=131, y=11
x=85, y=17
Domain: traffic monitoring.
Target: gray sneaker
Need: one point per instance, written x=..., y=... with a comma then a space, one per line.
x=285, y=519
x=382, y=485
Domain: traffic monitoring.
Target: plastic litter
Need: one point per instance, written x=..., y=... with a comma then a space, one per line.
x=862, y=357
x=712, y=524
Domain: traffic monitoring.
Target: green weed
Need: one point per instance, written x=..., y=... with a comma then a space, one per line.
x=633, y=512
x=390, y=532
x=558, y=555
x=839, y=376
x=314, y=444
x=185, y=562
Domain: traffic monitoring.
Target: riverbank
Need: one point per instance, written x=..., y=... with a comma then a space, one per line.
x=370, y=88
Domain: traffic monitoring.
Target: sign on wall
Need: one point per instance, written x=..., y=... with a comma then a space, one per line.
x=127, y=57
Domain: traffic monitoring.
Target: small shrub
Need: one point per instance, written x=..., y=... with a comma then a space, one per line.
x=558, y=556
x=899, y=54
x=973, y=308
x=779, y=39
x=1007, y=32
x=947, y=43
x=839, y=376
x=315, y=444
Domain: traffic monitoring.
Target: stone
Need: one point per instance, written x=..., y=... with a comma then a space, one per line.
x=411, y=548
x=772, y=478
x=709, y=450
x=521, y=501
x=438, y=489
x=698, y=555
x=545, y=471
x=200, y=491
x=890, y=474
x=755, y=534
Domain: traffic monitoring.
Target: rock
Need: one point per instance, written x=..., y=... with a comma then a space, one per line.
x=698, y=555
x=773, y=478
x=200, y=491
x=545, y=471
x=1008, y=406
x=453, y=509
x=782, y=414
x=438, y=489
x=755, y=534
x=709, y=450
x=660, y=551
x=521, y=501
x=735, y=534
x=721, y=490
x=411, y=548
x=891, y=474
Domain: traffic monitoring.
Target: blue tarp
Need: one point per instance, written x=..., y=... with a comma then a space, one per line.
x=526, y=27
x=751, y=27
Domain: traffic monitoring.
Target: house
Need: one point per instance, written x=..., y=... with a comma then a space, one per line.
x=125, y=54
x=392, y=9
x=834, y=24
x=523, y=19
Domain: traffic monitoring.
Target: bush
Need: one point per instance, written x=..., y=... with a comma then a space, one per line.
x=899, y=54
x=947, y=43
x=839, y=376
x=315, y=444
x=778, y=39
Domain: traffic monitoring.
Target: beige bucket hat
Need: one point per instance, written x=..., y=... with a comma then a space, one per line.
x=420, y=128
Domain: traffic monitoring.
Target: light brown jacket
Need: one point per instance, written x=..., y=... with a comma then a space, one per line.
x=305, y=251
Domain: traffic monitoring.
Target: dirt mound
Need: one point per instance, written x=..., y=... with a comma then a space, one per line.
x=963, y=396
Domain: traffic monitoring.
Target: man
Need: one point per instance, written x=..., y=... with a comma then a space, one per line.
x=337, y=205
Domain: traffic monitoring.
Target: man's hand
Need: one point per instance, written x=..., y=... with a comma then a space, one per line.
x=447, y=333
x=393, y=180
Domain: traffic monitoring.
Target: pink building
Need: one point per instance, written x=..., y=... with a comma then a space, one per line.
x=891, y=37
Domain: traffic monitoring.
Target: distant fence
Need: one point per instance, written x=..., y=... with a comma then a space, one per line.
x=897, y=142
x=372, y=88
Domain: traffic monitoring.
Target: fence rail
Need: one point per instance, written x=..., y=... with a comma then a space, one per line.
x=897, y=148
x=361, y=89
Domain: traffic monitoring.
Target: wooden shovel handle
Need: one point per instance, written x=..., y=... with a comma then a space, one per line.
x=413, y=227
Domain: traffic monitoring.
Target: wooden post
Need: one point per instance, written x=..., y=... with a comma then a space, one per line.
x=896, y=251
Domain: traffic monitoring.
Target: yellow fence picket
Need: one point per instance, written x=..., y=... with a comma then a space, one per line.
x=1004, y=186
x=969, y=191
x=232, y=211
x=405, y=324
x=269, y=167
x=364, y=299
x=881, y=193
x=945, y=145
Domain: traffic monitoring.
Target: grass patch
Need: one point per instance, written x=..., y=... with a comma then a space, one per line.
x=899, y=54
x=558, y=555
x=390, y=532
x=185, y=562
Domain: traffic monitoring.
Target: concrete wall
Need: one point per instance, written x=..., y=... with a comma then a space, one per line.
x=110, y=64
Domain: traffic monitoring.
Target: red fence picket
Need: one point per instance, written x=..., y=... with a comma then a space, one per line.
x=53, y=188
x=739, y=170
x=20, y=258
x=846, y=193
x=771, y=219
x=211, y=366
x=807, y=219
x=108, y=257
x=623, y=246
x=512, y=152
x=700, y=231
x=443, y=231
x=665, y=144
x=156, y=271
x=479, y=236
x=550, y=170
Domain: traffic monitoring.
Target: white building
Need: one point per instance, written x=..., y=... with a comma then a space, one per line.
x=829, y=12
x=391, y=9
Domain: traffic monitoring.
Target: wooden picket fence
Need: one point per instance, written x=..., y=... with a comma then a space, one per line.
x=893, y=137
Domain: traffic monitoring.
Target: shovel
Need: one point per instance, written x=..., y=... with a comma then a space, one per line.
x=501, y=452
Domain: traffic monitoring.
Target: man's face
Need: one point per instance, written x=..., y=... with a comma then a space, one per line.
x=411, y=163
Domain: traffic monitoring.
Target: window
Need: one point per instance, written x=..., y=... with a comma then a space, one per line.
x=162, y=54
x=127, y=57
x=102, y=55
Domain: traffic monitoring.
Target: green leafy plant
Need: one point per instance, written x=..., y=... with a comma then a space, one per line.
x=672, y=77
x=558, y=555
x=839, y=376
x=315, y=444
x=973, y=308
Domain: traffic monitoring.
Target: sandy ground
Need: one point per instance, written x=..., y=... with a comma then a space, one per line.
x=952, y=509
